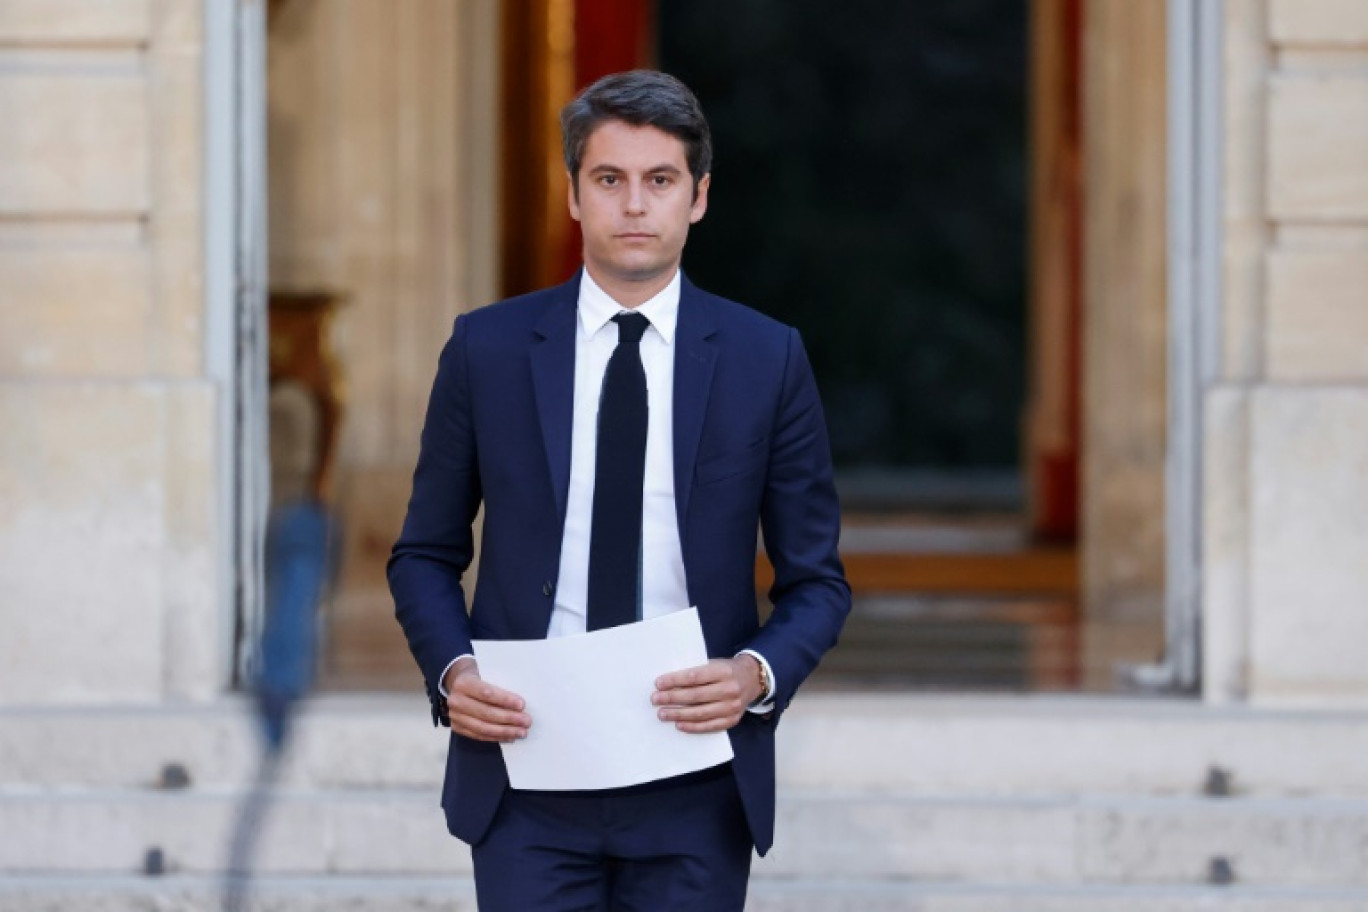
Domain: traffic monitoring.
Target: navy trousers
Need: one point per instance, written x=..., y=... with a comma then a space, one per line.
x=669, y=846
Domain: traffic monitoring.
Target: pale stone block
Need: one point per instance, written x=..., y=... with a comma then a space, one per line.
x=1225, y=544
x=316, y=894
x=1318, y=148
x=849, y=835
x=176, y=226
x=189, y=568
x=1318, y=315
x=1244, y=217
x=1061, y=746
x=97, y=21
x=838, y=835
x=114, y=232
x=1300, y=60
x=115, y=830
x=805, y=896
x=454, y=894
x=1309, y=579
x=1318, y=21
x=178, y=23
x=380, y=836
x=48, y=748
x=83, y=148
x=73, y=311
x=394, y=749
x=1268, y=842
x=386, y=832
x=1330, y=236
x=81, y=538
x=1057, y=745
x=1242, y=301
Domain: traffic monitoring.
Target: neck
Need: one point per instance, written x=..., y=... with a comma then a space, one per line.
x=631, y=292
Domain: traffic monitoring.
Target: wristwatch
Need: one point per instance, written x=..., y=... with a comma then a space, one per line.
x=765, y=684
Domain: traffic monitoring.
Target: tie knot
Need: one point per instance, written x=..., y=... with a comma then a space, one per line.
x=631, y=327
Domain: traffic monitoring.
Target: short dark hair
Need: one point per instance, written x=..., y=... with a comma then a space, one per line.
x=642, y=98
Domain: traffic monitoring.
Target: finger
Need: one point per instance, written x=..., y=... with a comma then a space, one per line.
x=712, y=725
x=461, y=705
x=715, y=670
x=702, y=713
x=485, y=731
x=688, y=696
x=484, y=692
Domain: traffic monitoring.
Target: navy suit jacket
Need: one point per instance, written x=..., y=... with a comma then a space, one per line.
x=750, y=450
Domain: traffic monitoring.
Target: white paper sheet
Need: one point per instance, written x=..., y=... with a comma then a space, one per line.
x=589, y=696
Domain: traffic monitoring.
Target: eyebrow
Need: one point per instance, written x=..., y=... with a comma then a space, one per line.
x=658, y=169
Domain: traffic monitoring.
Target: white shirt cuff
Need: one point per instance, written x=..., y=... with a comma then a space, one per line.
x=761, y=708
x=466, y=655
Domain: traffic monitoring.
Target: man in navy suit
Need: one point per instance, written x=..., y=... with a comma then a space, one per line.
x=627, y=433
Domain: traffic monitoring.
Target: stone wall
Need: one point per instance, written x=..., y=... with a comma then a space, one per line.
x=1286, y=422
x=107, y=485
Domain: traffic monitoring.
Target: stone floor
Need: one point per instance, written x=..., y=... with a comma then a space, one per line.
x=887, y=803
x=992, y=639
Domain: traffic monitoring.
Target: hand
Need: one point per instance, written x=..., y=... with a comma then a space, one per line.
x=711, y=697
x=482, y=711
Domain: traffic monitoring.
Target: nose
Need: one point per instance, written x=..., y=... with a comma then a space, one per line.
x=636, y=198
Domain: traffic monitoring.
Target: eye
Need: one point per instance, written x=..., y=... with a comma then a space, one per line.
x=661, y=180
x=608, y=180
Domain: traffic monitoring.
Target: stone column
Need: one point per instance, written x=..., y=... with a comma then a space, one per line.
x=107, y=470
x=1286, y=495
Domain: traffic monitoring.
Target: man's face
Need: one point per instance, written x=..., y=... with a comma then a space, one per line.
x=636, y=202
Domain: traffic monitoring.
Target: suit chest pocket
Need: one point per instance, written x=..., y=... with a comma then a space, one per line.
x=732, y=464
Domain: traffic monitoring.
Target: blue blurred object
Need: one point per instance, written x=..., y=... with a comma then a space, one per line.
x=298, y=558
x=300, y=547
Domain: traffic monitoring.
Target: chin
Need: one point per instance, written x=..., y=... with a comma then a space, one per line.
x=639, y=273
x=637, y=270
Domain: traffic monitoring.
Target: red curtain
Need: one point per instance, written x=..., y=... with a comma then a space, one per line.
x=610, y=36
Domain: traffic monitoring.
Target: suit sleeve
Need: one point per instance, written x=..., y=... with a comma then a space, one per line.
x=801, y=524
x=436, y=544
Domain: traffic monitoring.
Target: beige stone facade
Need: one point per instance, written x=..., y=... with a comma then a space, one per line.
x=108, y=475
x=1285, y=563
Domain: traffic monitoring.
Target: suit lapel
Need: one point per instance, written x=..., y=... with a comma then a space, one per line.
x=553, y=381
x=695, y=356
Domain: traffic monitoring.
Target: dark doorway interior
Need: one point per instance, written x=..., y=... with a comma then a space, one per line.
x=870, y=189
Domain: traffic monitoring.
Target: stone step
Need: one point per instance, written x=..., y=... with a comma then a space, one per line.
x=181, y=893
x=826, y=834
x=927, y=744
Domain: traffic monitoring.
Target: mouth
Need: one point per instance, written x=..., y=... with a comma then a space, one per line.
x=635, y=236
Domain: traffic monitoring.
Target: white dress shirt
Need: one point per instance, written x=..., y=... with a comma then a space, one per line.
x=662, y=572
x=663, y=588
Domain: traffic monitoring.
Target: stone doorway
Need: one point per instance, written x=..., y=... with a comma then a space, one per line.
x=1046, y=574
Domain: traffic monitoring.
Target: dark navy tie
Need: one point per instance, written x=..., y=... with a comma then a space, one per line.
x=619, y=475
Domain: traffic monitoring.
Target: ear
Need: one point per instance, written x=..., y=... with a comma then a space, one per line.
x=700, y=203
x=572, y=197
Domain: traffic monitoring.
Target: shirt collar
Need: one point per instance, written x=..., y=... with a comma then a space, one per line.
x=596, y=307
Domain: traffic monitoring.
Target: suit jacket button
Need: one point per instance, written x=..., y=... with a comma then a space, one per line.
x=547, y=589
